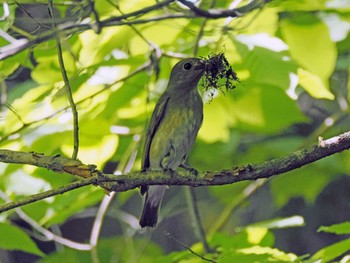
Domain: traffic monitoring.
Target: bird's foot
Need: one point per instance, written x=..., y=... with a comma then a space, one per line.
x=190, y=169
x=169, y=172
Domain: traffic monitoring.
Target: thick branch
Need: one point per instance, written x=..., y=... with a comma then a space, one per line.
x=55, y=163
x=135, y=179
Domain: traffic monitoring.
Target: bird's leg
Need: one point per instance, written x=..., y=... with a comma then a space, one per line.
x=166, y=163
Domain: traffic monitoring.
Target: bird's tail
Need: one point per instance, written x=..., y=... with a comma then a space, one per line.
x=154, y=196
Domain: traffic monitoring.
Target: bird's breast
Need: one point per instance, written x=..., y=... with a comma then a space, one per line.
x=178, y=128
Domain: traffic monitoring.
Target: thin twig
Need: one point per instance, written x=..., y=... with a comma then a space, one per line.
x=10, y=108
x=46, y=194
x=187, y=247
x=155, y=50
x=97, y=17
x=140, y=12
x=201, y=31
x=214, y=14
x=67, y=84
x=116, y=6
x=195, y=218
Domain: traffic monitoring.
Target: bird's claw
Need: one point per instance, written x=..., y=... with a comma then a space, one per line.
x=192, y=170
x=169, y=172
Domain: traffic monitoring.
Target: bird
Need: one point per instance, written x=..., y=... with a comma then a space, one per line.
x=172, y=130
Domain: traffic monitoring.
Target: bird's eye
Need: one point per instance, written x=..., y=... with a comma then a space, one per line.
x=187, y=66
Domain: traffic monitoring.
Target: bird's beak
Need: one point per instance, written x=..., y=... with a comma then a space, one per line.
x=200, y=65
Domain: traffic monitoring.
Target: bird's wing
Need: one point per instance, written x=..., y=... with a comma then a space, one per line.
x=153, y=125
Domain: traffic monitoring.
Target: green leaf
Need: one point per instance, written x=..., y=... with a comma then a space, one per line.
x=234, y=256
x=13, y=238
x=293, y=184
x=273, y=253
x=243, y=238
x=318, y=175
x=301, y=5
x=219, y=113
x=9, y=65
x=156, y=34
x=266, y=67
x=94, y=150
x=226, y=241
x=314, y=85
x=339, y=229
x=20, y=90
x=310, y=44
x=249, y=246
x=333, y=251
x=214, y=161
x=268, y=17
x=30, y=105
x=266, y=109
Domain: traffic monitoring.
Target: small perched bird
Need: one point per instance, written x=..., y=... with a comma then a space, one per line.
x=172, y=130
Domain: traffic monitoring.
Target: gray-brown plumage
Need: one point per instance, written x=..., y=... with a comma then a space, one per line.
x=172, y=130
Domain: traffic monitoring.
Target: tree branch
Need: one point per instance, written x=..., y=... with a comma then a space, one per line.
x=133, y=180
x=222, y=13
x=55, y=163
x=69, y=28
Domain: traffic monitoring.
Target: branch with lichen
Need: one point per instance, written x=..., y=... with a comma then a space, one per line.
x=133, y=180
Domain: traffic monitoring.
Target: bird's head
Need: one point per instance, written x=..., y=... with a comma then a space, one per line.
x=186, y=73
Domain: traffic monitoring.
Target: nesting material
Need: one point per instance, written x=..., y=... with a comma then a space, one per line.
x=218, y=74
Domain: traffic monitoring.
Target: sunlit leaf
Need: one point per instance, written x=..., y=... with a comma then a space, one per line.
x=339, y=229
x=313, y=85
x=333, y=251
x=273, y=253
x=266, y=109
x=273, y=71
x=310, y=44
x=216, y=112
x=94, y=150
x=293, y=221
